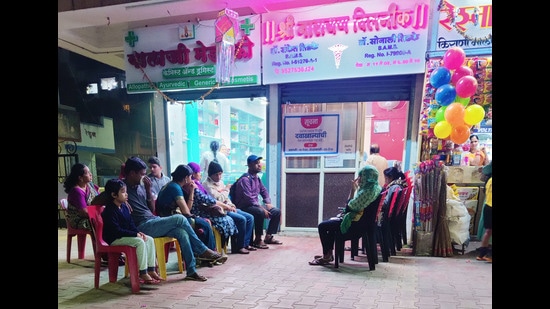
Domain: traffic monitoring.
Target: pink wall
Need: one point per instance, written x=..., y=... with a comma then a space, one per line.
x=393, y=142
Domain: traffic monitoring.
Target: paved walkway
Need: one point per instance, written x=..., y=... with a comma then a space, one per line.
x=280, y=277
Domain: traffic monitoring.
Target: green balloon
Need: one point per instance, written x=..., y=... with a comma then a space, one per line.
x=463, y=101
x=440, y=114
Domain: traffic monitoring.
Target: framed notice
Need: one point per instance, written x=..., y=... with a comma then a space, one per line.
x=381, y=126
x=311, y=134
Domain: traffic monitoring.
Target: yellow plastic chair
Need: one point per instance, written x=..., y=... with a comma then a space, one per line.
x=162, y=247
x=221, y=246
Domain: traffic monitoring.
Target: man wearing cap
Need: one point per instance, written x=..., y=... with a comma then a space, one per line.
x=247, y=192
x=158, y=179
x=177, y=226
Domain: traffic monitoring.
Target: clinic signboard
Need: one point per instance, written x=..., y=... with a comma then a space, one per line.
x=183, y=56
x=345, y=40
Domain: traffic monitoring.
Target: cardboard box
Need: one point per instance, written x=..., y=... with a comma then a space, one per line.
x=467, y=193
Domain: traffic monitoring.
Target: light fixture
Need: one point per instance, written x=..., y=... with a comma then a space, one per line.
x=109, y=83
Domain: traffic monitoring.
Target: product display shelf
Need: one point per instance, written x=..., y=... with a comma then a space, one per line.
x=246, y=138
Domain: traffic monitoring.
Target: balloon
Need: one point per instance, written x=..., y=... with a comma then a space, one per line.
x=440, y=114
x=460, y=72
x=454, y=57
x=442, y=129
x=473, y=114
x=454, y=114
x=463, y=101
x=466, y=86
x=460, y=134
x=445, y=94
x=440, y=77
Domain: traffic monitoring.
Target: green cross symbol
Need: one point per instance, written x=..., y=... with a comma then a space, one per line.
x=247, y=26
x=131, y=39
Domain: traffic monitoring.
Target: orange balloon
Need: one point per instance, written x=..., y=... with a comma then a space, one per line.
x=460, y=134
x=454, y=114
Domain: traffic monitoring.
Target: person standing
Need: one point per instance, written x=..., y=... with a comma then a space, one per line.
x=158, y=179
x=377, y=160
x=487, y=223
x=141, y=202
x=215, y=187
x=477, y=156
x=213, y=155
x=119, y=230
x=247, y=192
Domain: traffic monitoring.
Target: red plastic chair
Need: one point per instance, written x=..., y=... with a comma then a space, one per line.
x=79, y=233
x=94, y=211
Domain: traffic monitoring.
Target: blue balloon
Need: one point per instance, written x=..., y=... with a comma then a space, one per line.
x=445, y=94
x=440, y=77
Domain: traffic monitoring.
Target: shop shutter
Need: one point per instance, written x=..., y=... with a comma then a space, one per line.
x=382, y=88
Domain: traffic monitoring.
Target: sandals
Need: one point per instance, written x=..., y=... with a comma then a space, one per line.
x=195, y=277
x=260, y=245
x=272, y=241
x=156, y=276
x=243, y=251
x=250, y=248
x=210, y=255
x=321, y=261
x=149, y=281
x=320, y=257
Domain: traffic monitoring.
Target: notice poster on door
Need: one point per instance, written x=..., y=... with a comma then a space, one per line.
x=311, y=134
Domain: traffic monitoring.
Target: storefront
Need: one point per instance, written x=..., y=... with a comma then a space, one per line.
x=359, y=66
x=461, y=26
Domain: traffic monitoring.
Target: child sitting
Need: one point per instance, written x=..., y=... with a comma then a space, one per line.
x=119, y=229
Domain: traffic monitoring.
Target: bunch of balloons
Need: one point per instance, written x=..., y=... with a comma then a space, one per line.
x=455, y=84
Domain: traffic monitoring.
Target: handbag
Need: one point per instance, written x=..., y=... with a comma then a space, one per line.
x=214, y=210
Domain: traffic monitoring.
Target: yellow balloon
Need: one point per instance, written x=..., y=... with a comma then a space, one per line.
x=442, y=129
x=473, y=114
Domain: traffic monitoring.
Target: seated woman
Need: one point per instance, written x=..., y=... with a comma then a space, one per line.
x=170, y=200
x=200, y=201
x=394, y=183
x=366, y=197
x=80, y=193
x=215, y=186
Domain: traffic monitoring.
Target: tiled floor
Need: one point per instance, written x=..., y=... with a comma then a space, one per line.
x=280, y=277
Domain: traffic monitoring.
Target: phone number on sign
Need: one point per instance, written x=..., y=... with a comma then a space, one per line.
x=294, y=70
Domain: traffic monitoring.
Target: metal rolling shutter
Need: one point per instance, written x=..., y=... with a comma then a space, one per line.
x=382, y=88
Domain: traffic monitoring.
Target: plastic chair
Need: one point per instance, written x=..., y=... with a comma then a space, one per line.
x=94, y=211
x=79, y=233
x=364, y=228
x=221, y=244
x=162, y=247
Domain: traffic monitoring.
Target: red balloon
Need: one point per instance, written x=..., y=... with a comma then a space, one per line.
x=466, y=86
x=460, y=72
x=460, y=134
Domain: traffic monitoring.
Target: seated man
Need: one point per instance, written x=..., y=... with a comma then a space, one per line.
x=141, y=203
x=247, y=192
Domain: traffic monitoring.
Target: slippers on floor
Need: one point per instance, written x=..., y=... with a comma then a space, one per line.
x=250, y=248
x=260, y=246
x=151, y=281
x=320, y=257
x=195, y=277
x=320, y=261
x=272, y=241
